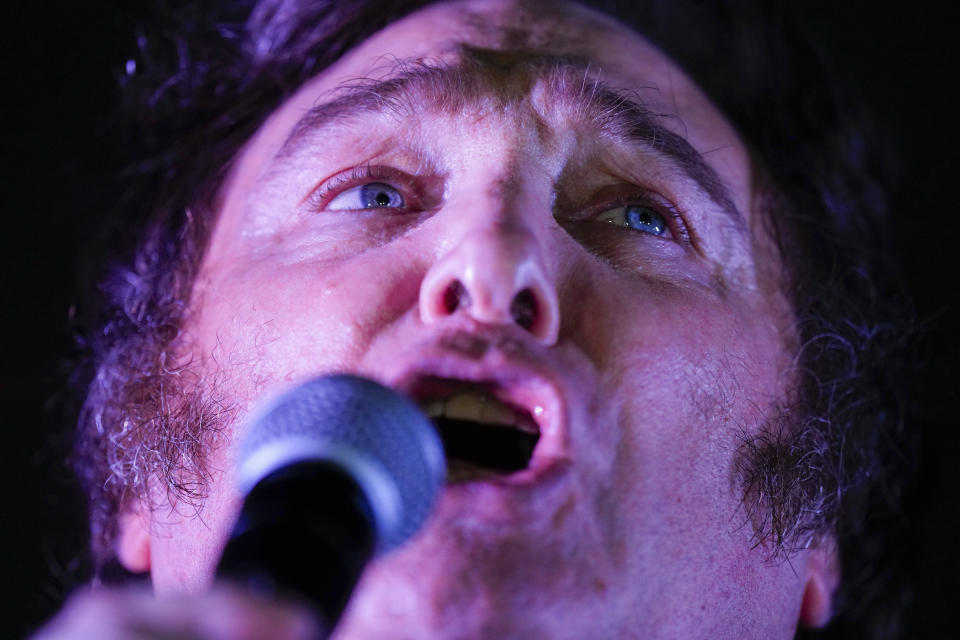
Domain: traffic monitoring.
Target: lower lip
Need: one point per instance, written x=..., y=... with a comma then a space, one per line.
x=512, y=496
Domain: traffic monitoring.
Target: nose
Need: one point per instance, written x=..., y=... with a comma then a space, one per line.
x=497, y=276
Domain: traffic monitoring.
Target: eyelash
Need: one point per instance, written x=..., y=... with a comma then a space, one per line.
x=321, y=197
x=676, y=224
x=357, y=176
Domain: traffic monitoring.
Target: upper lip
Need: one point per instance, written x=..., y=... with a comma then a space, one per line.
x=517, y=378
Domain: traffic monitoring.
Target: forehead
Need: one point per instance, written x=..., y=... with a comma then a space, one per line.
x=510, y=32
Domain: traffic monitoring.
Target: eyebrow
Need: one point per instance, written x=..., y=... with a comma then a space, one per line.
x=499, y=79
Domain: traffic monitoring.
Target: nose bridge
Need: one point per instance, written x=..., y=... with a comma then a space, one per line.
x=496, y=272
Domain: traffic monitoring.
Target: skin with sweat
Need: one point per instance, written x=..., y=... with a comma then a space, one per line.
x=658, y=337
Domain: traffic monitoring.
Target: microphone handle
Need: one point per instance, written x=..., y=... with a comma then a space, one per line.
x=305, y=531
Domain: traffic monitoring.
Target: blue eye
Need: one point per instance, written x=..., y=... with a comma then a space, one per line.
x=372, y=195
x=636, y=216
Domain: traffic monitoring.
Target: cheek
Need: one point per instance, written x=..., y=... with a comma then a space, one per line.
x=685, y=375
x=686, y=357
x=267, y=324
x=186, y=539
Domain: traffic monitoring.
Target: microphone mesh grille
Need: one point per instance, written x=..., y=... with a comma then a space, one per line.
x=370, y=421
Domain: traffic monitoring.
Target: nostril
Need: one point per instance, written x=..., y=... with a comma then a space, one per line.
x=455, y=296
x=523, y=309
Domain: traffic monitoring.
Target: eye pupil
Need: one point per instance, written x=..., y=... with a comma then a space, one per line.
x=378, y=194
x=645, y=219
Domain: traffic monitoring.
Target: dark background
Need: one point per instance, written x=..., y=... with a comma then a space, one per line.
x=60, y=65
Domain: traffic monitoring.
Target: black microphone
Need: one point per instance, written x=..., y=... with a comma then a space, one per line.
x=334, y=472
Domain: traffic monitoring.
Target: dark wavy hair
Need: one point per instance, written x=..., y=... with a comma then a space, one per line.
x=204, y=78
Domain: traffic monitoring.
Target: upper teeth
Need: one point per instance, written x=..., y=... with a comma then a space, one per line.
x=479, y=407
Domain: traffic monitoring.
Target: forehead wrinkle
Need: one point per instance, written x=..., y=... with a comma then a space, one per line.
x=491, y=81
x=479, y=81
x=622, y=114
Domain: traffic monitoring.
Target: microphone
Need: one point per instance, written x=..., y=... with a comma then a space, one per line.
x=334, y=472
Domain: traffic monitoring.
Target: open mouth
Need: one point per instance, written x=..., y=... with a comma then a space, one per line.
x=483, y=435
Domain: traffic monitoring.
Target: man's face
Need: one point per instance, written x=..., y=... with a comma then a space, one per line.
x=541, y=209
